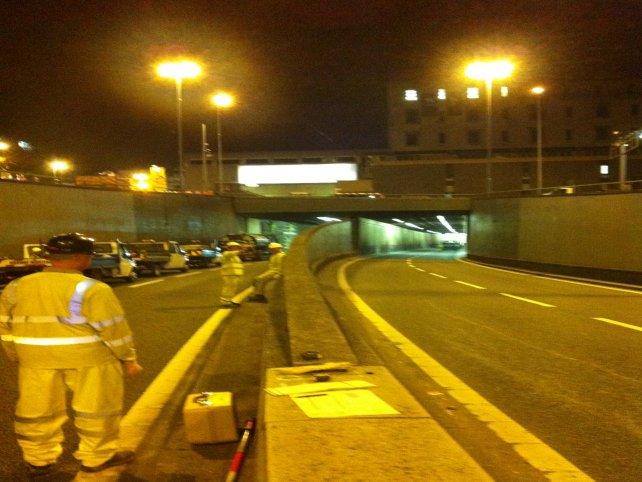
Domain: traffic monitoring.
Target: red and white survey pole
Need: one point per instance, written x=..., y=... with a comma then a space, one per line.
x=240, y=451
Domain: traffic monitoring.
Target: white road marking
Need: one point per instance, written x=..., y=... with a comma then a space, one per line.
x=438, y=275
x=191, y=273
x=138, y=285
x=619, y=323
x=149, y=405
x=553, y=465
x=528, y=300
x=550, y=278
x=470, y=284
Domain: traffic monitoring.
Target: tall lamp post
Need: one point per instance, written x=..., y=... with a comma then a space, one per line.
x=538, y=91
x=489, y=71
x=221, y=101
x=179, y=71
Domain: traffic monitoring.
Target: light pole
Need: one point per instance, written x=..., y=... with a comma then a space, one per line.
x=179, y=71
x=489, y=71
x=220, y=100
x=538, y=91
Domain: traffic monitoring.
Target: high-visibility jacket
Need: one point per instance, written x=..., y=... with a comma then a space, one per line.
x=63, y=319
x=231, y=264
x=275, y=265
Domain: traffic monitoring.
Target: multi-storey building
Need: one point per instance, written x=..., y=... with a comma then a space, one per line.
x=439, y=134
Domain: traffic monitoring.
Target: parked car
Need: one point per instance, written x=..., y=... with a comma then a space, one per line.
x=201, y=255
x=158, y=256
x=253, y=246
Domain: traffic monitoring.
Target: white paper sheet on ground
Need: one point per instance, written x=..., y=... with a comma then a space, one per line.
x=342, y=403
x=317, y=387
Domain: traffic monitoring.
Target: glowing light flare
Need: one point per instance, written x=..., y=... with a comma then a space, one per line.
x=179, y=70
x=4, y=146
x=497, y=69
x=222, y=99
x=58, y=165
x=538, y=90
x=446, y=224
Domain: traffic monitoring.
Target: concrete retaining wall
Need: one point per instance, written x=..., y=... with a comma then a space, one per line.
x=32, y=213
x=584, y=235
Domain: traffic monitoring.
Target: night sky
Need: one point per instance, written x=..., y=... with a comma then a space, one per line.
x=78, y=77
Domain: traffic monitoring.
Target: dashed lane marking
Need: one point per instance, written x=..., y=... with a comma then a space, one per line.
x=619, y=323
x=146, y=283
x=438, y=275
x=553, y=465
x=540, y=303
x=191, y=273
x=471, y=285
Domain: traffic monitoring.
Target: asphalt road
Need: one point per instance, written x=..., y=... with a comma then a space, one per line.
x=163, y=313
x=561, y=358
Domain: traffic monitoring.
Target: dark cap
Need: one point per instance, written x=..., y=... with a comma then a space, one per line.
x=71, y=243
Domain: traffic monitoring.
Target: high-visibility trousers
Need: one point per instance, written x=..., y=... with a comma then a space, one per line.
x=97, y=401
x=261, y=280
x=230, y=287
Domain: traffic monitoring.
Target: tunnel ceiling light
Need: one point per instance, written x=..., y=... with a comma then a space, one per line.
x=327, y=219
x=411, y=225
x=446, y=224
x=397, y=220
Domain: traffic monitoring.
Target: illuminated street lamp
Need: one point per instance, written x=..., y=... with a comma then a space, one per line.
x=489, y=71
x=4, y=147
x=221, y=101
x=538, y=91
x=179, y=71
x=58, y=166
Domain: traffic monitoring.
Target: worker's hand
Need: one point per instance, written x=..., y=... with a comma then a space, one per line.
x=132, y=368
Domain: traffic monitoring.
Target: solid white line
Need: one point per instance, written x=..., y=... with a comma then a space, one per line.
x=528, y=300
x=149, y=405
x=553, y=465
x=550, y=278
x=470, y=284
x=138, y=285
x=619, y=323
x=191, y=273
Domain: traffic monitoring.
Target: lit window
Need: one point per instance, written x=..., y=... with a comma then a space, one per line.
x=472, y=93
x=411, y=95
x=604, y=169
x=441, y=94
x=503, y=91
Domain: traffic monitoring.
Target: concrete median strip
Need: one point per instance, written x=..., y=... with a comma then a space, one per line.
x=553, y=465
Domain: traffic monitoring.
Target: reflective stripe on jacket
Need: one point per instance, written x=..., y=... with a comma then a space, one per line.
x=231, y=264
x=62, y=319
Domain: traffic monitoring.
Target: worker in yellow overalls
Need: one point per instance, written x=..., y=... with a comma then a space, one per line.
x=67, y=332
x=274, y=272
x=232, y=270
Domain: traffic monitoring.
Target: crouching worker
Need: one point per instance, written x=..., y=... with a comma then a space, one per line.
x=274, y=271
x=67, y=332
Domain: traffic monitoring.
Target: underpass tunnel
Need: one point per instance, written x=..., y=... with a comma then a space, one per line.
x=447, y=233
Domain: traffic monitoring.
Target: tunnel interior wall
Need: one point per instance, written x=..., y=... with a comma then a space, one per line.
x=32, y=213
x=599, y=233
x=375, y=237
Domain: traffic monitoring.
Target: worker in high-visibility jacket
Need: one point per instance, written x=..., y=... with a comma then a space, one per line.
x=274, y=271
x=67, y=332
x=232, y=270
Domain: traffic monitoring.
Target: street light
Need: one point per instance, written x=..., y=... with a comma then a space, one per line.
x=489, y=71
x=58, y=165
x=221, y=101
x=538, y=91
x=179, y=71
